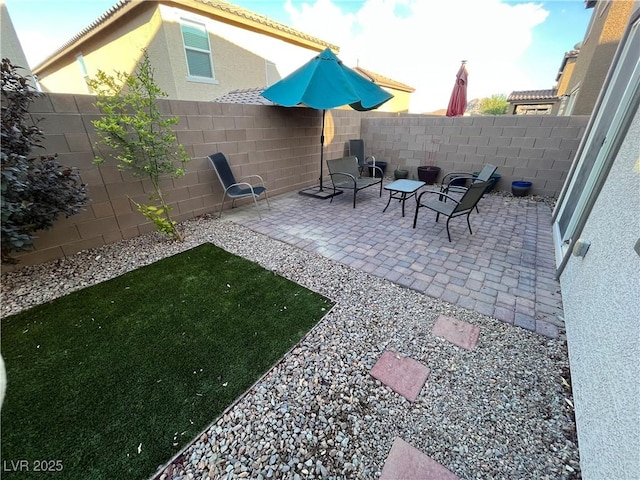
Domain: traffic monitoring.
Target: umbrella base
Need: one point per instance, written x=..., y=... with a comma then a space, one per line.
x=320, y=192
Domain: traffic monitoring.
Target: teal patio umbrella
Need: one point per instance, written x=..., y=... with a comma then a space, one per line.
x=323, y=83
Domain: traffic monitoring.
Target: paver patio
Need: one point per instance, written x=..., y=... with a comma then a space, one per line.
x=505, y=269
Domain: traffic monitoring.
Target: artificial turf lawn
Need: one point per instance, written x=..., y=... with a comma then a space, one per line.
x=112, y=380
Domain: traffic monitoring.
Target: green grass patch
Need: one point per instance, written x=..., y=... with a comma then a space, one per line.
x=112, y=380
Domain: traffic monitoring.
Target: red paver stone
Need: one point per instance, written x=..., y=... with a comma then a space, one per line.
x=402, y=374
x=406, y=462
x=456, y=331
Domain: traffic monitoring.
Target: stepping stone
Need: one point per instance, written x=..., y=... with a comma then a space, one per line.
x=408, y=463
x=456, y=331
x=402, y=374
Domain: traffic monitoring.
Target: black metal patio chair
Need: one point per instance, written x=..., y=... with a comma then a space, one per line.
x=451, y=207
x=458, y=182
x=345, y=174
x=234, y=189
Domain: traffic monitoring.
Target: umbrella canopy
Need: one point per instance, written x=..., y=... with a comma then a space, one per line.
x=324, y=82
x=458, y=101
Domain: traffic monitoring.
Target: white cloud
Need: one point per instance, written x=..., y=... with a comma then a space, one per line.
x=421, y=42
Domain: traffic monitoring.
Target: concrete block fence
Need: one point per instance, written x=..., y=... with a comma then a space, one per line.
x=538, y=149
x=283, y=146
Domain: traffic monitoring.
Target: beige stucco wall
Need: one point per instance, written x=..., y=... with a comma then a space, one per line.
x=234, y=66
x=9, y=44
x=608, y=23
x=157, y=28
x=567, y=74
x=399, y=102
x=601, y=299
x=118, y=48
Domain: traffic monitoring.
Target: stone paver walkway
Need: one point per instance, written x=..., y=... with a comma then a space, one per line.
x=405, y=462
x=504, y=270
x=403, y=375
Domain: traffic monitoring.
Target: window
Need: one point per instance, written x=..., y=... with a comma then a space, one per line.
x=82, y=65
x=602, y=139
x=197, y=51
x=573, y=96
x=541, y=109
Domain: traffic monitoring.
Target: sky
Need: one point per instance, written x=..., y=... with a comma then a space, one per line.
x=508, y=44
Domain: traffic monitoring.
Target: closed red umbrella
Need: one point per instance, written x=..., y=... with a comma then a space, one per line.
x=458, y=101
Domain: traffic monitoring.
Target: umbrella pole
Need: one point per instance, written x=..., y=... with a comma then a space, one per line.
x=322, y=148
x=319, y=191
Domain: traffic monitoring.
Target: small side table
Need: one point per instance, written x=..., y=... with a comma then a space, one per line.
x=401, y=190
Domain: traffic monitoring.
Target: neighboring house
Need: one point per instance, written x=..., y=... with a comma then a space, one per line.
x=199, y=49
x=597, y=239
x=9, y=44
x=583, y=69
x=533, y=102
x=400, y=91
x=606, y=27
x=399, y=103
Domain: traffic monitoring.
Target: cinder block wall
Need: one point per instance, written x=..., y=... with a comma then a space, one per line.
x=538, y=149
x=282, y=145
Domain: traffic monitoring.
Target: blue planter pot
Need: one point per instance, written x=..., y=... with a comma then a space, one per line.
x=520, y=188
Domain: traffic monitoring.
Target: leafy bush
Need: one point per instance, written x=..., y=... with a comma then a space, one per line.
x=494, y=105
x=36, y=190
x=141, y=138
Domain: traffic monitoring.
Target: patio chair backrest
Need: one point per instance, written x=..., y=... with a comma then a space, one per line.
x=344, y=165
x=486, y=172
x=222, y=168
x=471, y=197
x=356, y=149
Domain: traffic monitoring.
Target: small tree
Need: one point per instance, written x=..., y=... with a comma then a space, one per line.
x=36, y=190
x=494, y=105
x=141, y=137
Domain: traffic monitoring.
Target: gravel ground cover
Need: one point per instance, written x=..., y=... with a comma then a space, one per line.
x=499, y=411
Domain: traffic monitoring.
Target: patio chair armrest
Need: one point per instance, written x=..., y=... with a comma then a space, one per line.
x=439, y=193
x=239, y=184
x=377, y=168
x=253, y=176
x=453, y=175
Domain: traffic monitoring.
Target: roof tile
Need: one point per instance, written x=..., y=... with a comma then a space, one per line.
x=533, y=95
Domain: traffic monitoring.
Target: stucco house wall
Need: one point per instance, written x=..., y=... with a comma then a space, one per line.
x=9, y=44
x=115, y=42
x=607, y=25
x=601, y=298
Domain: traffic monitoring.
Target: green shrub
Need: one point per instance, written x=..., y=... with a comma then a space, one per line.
x=140, y=137
x=36, y=190
x=494, y=105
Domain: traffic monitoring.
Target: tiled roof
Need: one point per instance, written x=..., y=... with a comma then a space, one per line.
x=532, y=95
x=384, y=81
x=247, y=96
x=216, y=8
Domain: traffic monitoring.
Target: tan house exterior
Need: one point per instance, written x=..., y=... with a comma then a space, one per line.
x=533, y=102
x=400, y=91
x=9, y=44
x=583, y=69
x=199, y=49
x=608, y=23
